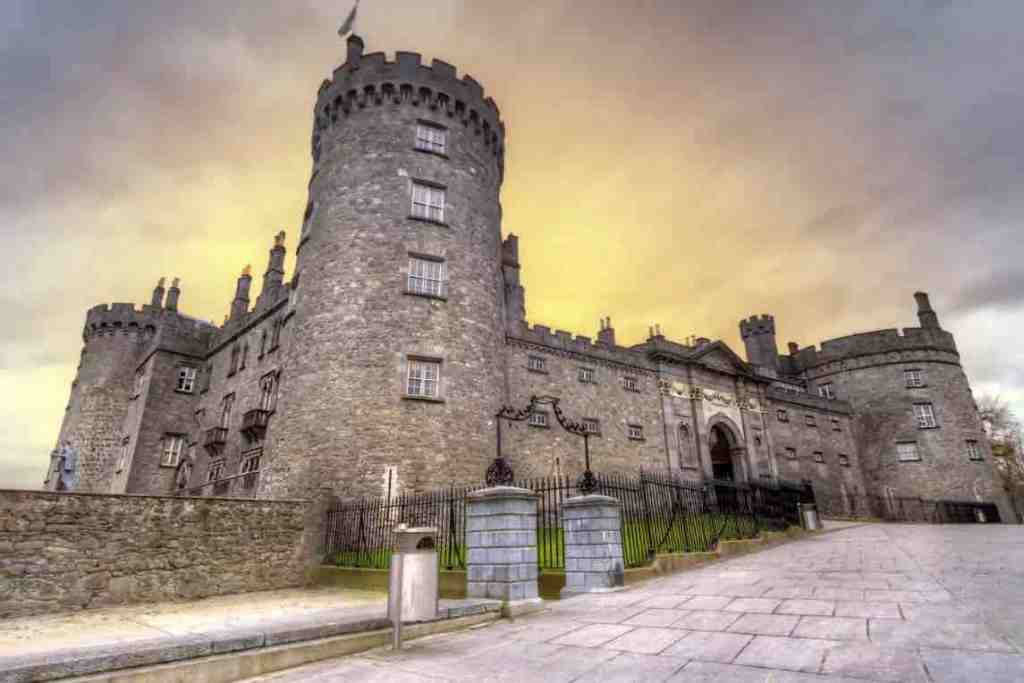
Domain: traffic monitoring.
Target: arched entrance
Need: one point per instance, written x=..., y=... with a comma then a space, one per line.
x=722, y=444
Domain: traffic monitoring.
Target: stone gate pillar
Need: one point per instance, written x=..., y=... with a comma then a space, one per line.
x=501, y=543
x=593, y=545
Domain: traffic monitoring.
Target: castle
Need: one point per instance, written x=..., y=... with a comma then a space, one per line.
x=381, y=364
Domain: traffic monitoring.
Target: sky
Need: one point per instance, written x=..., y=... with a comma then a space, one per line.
x=680, y=162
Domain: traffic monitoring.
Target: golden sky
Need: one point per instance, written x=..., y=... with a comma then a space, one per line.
x=671, y=162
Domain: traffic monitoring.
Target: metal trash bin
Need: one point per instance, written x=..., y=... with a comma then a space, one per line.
x=809, y=516
x=413, y=587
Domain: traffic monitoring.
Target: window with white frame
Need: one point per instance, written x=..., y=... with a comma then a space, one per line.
x=592, y=425
x=844, y=460
x=791, y=453
x=782, y=415
x=636, y=432
x=427, y=276
x=423, y=378
x=630, y=383
x=914, y=378
x=536, y=364
x=431, y=138
x=186, y=379
x=216, y=470
x=925, y=415
x=251, y=470
x=827, y=391
x=586, y=375
x=428, y=202
x=172, y=447
x=538, y=419
x=973, y=450
x=819, y=456
x=907, y=451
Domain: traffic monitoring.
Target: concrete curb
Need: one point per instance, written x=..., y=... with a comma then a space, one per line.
x=230, y=655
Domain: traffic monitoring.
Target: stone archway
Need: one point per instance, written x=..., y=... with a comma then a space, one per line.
x=725, y=449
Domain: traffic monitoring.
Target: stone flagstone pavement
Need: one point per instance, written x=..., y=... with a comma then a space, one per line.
x=900, y=603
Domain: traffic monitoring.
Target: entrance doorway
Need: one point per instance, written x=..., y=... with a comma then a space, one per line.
x=721, y=454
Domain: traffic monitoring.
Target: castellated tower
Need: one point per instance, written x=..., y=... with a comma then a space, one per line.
x=758, y=333
x=396, y=367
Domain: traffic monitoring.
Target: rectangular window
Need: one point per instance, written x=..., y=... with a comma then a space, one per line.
x=791, y=453
x=835, y=425
x=630, y=383
x=173, y=445
x=907, y=451
x=586, y=375
x=636, y=432
x=216, y=471
x=186, y=379
x=826, y=391
x=973, y=450
x=811, y=421
x=538, y=419
x=268, y=392
x=251, y=470
x=914, y=378
x=423, y=378
x=235, y=354
x=427, y=277
x=782, y=415
x=431, y=138
x=592, y=425
x=275, y=334
x=819, y=456
x=122, y=457
x=844, y=460
x=536, y=364
x=925, y=415
x=204, y=386
x=428, y=202
x=225, y=411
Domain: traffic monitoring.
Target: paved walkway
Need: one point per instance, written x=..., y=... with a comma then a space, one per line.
x=906, y=603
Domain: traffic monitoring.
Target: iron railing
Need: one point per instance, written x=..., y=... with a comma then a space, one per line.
x=240, y=485
x=660, y=514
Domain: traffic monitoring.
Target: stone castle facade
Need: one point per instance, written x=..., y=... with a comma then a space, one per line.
x=381, y=364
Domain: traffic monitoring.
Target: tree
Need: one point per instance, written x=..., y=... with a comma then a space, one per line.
x=1003, y=429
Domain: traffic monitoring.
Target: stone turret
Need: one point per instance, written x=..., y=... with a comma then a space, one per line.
x=515, y=294
x=758, y=333
x=928, y=317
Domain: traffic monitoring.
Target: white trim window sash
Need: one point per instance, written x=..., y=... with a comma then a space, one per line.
x=925, y=414
x=173, y=445
x=432, y=139
x=914, y=378
x=428, y=202
x=423, y=378
x=186, y=379
x=427, y=277
x=973, y=450
x=538, y=419
x=907, y=452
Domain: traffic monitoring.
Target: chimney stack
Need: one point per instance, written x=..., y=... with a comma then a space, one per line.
x=929, y=318
x=607, y=334
x=355, y=51
x=274, y=277
x=158, y=294
x=172, y=296
x=240, y=306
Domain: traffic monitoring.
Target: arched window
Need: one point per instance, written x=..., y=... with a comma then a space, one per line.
x=686, y=458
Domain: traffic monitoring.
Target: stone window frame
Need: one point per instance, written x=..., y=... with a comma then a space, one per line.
x=635, y=432
x=139, y=381
x=924, y=415
x=592, y=425
x=236, y=352
x=811, y=420
x=790, y=453
x=586, y=374
x=973, y=450
x=186, y=382
x=275, y=334
x=204, y=384
x=244, y=357
x=171, y=446
x=914, y=378
x=216, y=470
x=426, y=136
x=539, y=419
x=122, y=458
x=819, y=457
x=263, y=344
x=416, y=277
x=827, y=391
x=249, y=465
x=414, y=361
x=782, y=415
x=428, y=201
x=844, y=460
x=631, y=383
x=538, y=364
x=269, y=384
x=227, y=405
x=911, y=454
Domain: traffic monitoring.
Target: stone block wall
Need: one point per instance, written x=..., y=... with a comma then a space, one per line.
x=593, y=545
x=501, y=542
x=67, y=551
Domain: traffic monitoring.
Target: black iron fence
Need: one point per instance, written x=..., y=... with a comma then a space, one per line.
x=921, y=510
x=660, y=514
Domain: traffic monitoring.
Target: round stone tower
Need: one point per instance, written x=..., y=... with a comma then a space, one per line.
x=396, y=365
x=916, y=424
x=114, y=338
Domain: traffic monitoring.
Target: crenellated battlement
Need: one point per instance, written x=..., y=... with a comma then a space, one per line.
x=561, y=340
x=872, y=343
x=373, y=81
x=757, y=324
x=143, y=322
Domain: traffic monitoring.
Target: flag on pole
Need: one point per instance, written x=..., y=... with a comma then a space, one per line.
x=350, y=23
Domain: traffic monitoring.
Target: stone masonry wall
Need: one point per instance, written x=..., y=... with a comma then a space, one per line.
x=70, y=551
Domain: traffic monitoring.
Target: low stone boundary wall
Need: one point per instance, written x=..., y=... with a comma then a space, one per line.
x=66, y=551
